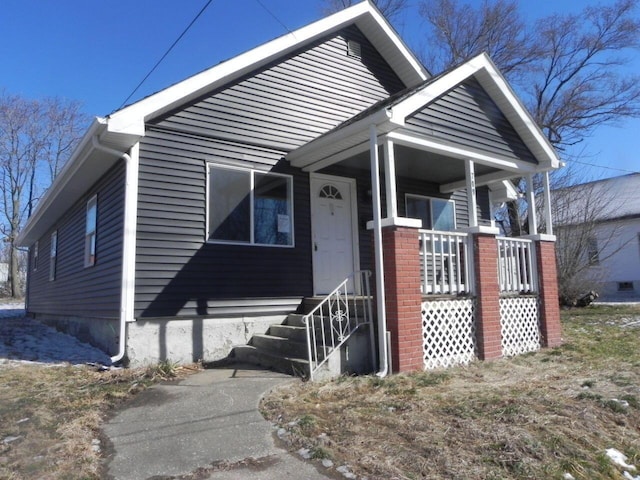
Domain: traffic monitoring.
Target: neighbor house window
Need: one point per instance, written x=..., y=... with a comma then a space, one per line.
x=435, y=213
x=592, y=251
x=246, y=206
x=53, y=255
x=90, y=232
x=35, y=256
x=625, y=286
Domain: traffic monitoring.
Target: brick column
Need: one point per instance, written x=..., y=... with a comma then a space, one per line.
x=488, y=329
x=549, y=303
x=403, y=298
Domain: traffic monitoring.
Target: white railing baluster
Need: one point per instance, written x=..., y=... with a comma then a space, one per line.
x=446, y=257
x=516, y=265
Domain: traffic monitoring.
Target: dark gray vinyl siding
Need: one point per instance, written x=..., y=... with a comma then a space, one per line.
x=177, y=272
x=468, y=117
x=291, y=102
x=92, y=292
x=251, y=123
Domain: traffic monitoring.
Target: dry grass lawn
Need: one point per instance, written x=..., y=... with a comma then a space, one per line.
x=50, y=416
x=538, y=416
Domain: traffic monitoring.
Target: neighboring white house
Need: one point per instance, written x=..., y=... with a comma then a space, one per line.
x=604, y=217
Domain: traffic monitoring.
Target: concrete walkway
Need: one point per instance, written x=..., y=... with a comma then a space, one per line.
x=207, y=426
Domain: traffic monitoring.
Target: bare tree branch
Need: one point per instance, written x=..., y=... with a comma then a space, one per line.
x=36, y=138
x=389, y=8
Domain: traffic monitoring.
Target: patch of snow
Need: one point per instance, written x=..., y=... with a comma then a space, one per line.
x=628, y=476
x=568, y=476
x=619, y=458
x=622, y=403
x=27, y=341
x=305, y=453
x=10, y=439
x=344, y=470
x=326, y=463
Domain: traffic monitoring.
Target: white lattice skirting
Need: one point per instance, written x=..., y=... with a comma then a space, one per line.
x=448, y=332
x=520, y=321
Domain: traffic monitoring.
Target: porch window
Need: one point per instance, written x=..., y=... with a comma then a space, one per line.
x=53, y=256
x=90, y=232
x=435, y=213
x=249, y=207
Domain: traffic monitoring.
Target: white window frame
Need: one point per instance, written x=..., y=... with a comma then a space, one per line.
x=53, y=255
x=35, y=255
x=90, y=260
x=252, y=172
x=425, y=197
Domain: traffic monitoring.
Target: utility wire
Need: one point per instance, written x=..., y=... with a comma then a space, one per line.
x=273, y=15
x=604, y=167
x=166, y=53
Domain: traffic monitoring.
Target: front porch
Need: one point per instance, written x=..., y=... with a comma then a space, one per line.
x=451, y=294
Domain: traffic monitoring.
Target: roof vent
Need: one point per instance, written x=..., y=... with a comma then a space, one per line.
x=354, y=49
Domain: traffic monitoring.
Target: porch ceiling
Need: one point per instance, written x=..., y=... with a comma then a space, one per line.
x=423, y=165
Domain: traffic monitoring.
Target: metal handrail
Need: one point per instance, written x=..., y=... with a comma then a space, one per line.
x=336, y=318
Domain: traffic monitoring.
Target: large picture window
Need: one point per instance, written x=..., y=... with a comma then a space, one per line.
x=246, y=206
x=435, y=213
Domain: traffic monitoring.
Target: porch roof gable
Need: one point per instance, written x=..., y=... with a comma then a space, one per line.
x=390, y=117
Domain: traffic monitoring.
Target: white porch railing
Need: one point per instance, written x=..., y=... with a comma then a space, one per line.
x=340, y=314
x=517, y=266
x=445, y=263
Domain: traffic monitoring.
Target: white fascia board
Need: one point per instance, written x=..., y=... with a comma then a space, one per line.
x=67, y=173
x=499, y=90
x=409, y=68
x=413, y=141
x=131, y=119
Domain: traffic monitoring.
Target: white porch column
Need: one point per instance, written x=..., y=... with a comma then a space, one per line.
x=531, y=205
x=547, y=203
x=390, y=179
x=379, y=260
x=470, y=175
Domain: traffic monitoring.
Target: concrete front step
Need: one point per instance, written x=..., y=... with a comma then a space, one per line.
x=256, y=356
x=296, y=334
x=280, y=346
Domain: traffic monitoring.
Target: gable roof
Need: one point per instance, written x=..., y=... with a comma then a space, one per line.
x=122, y=129
x=615, y=198
x=364, y=15
x=391, y=114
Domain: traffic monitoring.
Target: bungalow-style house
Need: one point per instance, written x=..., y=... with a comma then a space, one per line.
x=598, y=228
x=221, y=211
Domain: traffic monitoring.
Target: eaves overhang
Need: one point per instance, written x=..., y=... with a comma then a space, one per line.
x=83, y=169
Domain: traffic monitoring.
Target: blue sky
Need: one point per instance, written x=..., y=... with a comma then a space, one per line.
x=97, y=52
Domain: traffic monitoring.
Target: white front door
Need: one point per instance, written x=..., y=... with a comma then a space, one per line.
x=333, y=232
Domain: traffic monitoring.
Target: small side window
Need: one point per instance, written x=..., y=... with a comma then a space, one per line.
x=35, y=257
x=53, y=256
x=90, y=232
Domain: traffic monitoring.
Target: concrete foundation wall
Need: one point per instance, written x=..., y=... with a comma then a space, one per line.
x=190, y=340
